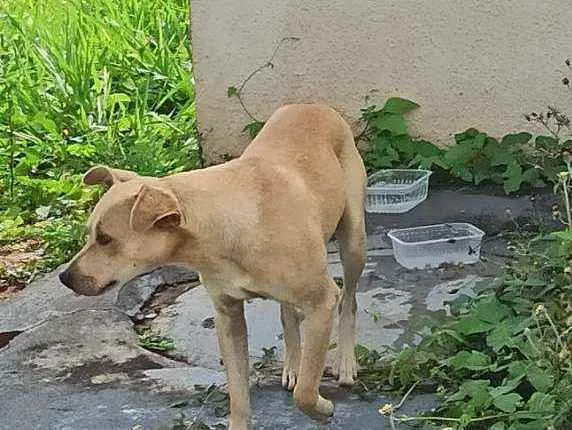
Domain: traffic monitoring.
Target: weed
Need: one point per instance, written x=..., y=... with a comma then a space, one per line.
x=268, y=358
x=155, y=342
x=255, y=125
x=475, y=157
x=183, y=423
x=504, y=360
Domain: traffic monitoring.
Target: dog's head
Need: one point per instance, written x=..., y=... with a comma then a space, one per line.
x=134, y=228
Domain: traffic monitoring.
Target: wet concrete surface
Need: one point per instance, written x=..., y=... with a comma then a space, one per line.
x=70, y=362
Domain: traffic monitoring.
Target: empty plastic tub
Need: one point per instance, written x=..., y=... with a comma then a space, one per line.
x=396, y=190
x=433, y=245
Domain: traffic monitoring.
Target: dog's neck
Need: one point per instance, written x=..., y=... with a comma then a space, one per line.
x=211, y=217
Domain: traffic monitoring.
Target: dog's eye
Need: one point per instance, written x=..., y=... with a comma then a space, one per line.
x=102, y=238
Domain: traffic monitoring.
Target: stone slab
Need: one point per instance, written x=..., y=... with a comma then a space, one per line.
x=47, y=297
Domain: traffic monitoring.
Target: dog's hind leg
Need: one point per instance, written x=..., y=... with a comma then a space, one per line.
x=318, y=312
x=350, y=234
x=291, y=325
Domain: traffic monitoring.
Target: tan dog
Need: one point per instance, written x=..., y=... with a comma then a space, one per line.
x=256, y=226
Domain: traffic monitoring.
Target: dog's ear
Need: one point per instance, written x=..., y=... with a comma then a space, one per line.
x=155, y=207
x=107, y=176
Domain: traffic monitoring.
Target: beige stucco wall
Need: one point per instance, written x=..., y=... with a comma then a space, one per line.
x=479, y=63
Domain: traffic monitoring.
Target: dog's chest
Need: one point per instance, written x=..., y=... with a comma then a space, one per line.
x=234, y=285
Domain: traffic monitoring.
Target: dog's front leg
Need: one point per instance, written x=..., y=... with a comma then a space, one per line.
x=291, y=324
x=231, y=331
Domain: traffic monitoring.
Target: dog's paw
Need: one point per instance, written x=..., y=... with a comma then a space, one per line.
x=325, y=407
x=314, y=405
x=345, y=369
x=289, y=376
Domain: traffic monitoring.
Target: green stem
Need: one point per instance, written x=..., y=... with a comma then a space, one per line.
x=567, y=203
x=457, y=420
x=558, y=338
x=12, y=144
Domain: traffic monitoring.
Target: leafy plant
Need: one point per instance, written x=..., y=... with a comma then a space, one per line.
x=155, y=342
x=390, y=144
x=475, y=157
x=268, y=358
x=504, y=361
x=253, y=128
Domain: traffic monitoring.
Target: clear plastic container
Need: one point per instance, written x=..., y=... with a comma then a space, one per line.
x=396, y=190
x=433, y=245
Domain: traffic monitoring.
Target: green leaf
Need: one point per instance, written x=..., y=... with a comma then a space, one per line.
x=459, y=155
x=473, y=360
x=479, y=141
x=462, y=172
x=404, y=144
x=231, y=91
x=179, y=404
x=540, y=379
x=542, y=403
x=500, y=337
x=531, y=425
x=491, y=310
x=532, y=176
x=399, y=105
x=513, y=178
x=500, y=157
x=517, y=324
x=497, y=426
x=27, y=164
x=253, y=128
x=120, y=98
x=81, y=150
x=470, y=324
x=516, y=139
x=547, y=142
x=517, y=369
x=526, y=349
x=459, y=304
x=468, y=134
x=507, y=402
x=426, y=149
x=535, y=282
x=481, y=171
x=477, y=390
x=392, y=122
x=43, y=123
x=563, y=235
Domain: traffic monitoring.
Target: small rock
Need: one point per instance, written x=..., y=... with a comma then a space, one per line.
x=151, y=315
x=104, y=378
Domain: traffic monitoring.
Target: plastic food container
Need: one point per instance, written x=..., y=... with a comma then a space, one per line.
x=433, y=245
x=396, y=190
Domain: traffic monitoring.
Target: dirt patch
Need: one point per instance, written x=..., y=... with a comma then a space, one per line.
x=15, y=259
x=7, y=336
x=85, y=374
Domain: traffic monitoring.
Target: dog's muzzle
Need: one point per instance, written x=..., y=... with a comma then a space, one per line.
x=80, y=284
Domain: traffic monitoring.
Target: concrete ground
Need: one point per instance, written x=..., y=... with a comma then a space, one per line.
x=70, y=362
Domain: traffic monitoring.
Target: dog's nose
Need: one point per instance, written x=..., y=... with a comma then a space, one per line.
x=66, y=278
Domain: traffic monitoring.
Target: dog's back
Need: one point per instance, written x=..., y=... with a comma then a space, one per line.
x=312, y=143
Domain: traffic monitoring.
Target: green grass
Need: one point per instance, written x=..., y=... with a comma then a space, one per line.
x=84, y=83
